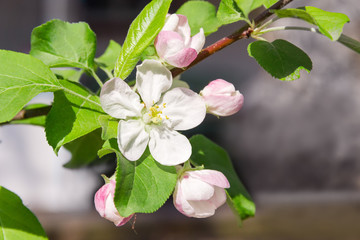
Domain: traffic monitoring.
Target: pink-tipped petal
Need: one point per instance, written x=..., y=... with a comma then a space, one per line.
x=221, y=98
x=180, y=203
x=212, y=177
x=183, y=58
x=168, y=43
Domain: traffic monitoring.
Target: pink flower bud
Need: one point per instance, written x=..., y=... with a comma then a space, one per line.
x=199, y=193
x=104, y=204
x=221, y=98
x=174, y=43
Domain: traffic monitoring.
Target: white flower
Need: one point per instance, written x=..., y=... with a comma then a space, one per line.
x=153, y=119
x=199, y=193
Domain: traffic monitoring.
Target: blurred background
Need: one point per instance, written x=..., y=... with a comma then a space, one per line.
x=295, y=145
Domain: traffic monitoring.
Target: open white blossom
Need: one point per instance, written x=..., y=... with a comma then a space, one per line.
x=152, y=115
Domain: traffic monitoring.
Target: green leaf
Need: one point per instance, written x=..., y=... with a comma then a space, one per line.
x=109, y=146
x=330, y=24
x=109, y=57
x=17, y=221
x=229, y=12
x=350, y=43
x=22, y=77
x=142, y=186
x=200, y=14
x=246, y=6
x=68, y=74
x=34, y=115
x=141, y=34
x=62, y=44
x=72, y=116
x=212, y=156
x=109, y=127
x=84, y=149
x=280, y=58
x=235, y=10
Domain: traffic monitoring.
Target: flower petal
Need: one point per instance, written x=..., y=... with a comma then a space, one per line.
x=171, y=22
x=183, y=29
x=100, y=198
x=185, y=108
x=132, y=138
x=168, y=43
x=219, y=197
x=198, y=41
x=203, y=209
x=212, y=177
x=180, y=202
x=196, y=190
x=152, y=79
x=119, y=100
x=169, y=147
x=182, y=58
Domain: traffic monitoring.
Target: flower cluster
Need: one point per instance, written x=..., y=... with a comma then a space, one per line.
x=153, y=111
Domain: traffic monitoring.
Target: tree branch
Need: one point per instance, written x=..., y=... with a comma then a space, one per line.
x=30, y=113
x=244, y=32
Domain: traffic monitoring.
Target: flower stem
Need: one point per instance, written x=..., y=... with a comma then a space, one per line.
x=98, y=80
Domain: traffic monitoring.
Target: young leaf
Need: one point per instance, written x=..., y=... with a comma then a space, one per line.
x=280, y=58
x=229, y=12
x=108, y=59
x=16, y=220
x=141, y=34
x=330, y=24
x=34, y=114
x=84, y=149
x=62, y=44
x=235, y=10
x=142, y=186
x=22, y=77
x=350, y=43
x=109, y=146
x=72, y=116
x=109, y=127
x=212, y=156
x=247, y=6
x=200, y=14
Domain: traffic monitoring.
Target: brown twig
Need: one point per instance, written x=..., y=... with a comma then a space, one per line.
x=244, y=32
x=30, y=113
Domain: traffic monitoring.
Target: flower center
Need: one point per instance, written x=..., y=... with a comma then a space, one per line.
x=155, y=114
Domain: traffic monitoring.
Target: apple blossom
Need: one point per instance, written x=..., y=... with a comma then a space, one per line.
x=104, y=204
x=221, y=98
x=199, y=193
x=154, y=119
x=174, y=43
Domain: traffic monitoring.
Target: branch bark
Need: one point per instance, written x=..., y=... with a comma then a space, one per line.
x=244, y=32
